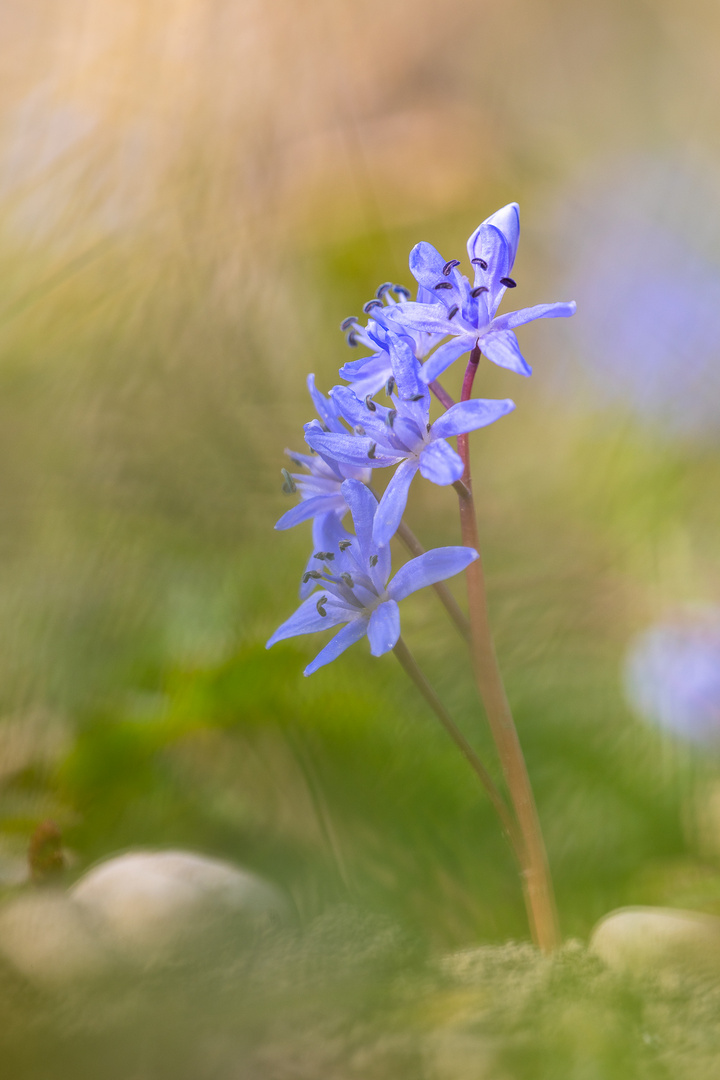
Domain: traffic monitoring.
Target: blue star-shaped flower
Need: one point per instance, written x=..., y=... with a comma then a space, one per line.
x=465, y=313
x=402, y=435
x=355, y=588
x=320, y=486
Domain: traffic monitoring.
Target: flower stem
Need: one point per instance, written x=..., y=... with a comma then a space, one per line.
x=411, y=668
x=538, y=888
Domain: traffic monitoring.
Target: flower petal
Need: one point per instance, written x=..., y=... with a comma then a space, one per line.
x=560, y=310
x=501, y=347
x=447, y=354
x=308, y=620
x=392, y=505
x=342, y=641
x=471, y=415
x=323, y=406
x=348, y=449
x=307, y=508
x=363, y=506
x=426, y=265
x=384, y=628
x=427, y=569
x=432, y=318
x=440, y=464
x=405, y=367
x=507, y=220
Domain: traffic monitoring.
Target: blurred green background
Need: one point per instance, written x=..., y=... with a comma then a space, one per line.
x=193, y=194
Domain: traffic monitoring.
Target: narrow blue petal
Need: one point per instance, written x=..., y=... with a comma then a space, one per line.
x=426, y=265
x=507, y=220
x=363, y=506
x=308, y=508
x=447, y=354
x=501, y=347
x=347, y=449
x=342, y=641
x=405, y=366
x=384, y=628
x=440, y=464
x=430, y=318
x=392, y=505
x=560, y=310
x=308, y=620
x=471, y=415
x=323, y=406
x=427, y=569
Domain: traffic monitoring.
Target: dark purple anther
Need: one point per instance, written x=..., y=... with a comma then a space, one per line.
x=390, y=386
x=323, y=555
x=449, y=265
x=373, y=560
x=400, y=290
x=370, y=404
x=390, y=418
x=344, y=544
x=444, y=285
x=367, y=308
x=382, y=289
x=352, y=339
x=453, y=311
x=347, y=323
x=508, y=282
x=478, y=290
x=481, y=263
x=321, y=605
x=371, y=451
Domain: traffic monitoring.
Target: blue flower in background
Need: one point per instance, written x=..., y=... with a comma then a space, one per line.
x=643, y=237
x=320, y=486
x=354, y=588
x=467, y=313
x=672, y=676
x=402, y=435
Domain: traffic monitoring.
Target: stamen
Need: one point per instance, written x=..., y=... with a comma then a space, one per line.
x=359, y=429
x=444, y=285
x=509, y=282
x=345, y=544
x=390, y=386
x=478, y=290
x=370, y=404
x=481, y=263
x=352, y=339
x=348, y=580
x=415, y=397
x=382, y=289
x=367, y=308
x=321, y=606
x=373, y=560
x=347, y=323
x=323, y=555
x=453, y=311
x=289, y=485
x=400, y=290
x=449, y=266
x=310, y=575
x=371, y=451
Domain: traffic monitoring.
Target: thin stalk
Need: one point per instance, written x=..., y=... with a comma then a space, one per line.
x=441, y=394
x=411, y=668
x=539, y=895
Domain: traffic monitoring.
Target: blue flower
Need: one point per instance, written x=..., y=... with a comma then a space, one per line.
x=354, y=588
x=320, y=486
x=368, y=374
x=672, y=676
x=467, y=314
x=402, y=435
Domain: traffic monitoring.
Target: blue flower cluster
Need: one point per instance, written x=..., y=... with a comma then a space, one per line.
x=410, y=343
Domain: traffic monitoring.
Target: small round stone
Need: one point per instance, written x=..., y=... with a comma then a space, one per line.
x=638, y=940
